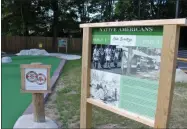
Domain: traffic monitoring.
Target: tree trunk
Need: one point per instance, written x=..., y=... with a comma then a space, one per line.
x=177, y=9
x=139, y=2
x=25, y=24
x=158, y=8
x=55, y=24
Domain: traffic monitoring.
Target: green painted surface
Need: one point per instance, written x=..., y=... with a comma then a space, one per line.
x=157, y=30
x=138, y=95
x=149, y=41
x=14, y=103
x=141, y=40
x=101, y=39
x=147, y=38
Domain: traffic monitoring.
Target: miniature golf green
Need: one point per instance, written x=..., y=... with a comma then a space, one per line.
x=14, y=103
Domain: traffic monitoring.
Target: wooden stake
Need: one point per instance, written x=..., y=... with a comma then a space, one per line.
x=38, y=105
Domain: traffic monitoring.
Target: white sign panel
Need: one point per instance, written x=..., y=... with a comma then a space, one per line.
x=127, y=40
x=35, y=79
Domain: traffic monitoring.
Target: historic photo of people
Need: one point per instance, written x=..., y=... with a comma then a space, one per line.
x=105, y=86
x=141, y=62
x=106, y=57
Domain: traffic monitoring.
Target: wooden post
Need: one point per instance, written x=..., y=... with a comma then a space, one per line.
x=38, y=105
x=86, y=108
x=167, y=75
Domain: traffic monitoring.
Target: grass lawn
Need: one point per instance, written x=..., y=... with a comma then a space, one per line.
x=14, y=102
x=68, y=104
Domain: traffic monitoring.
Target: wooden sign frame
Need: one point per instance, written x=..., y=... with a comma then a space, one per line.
x=171, y=32
x=34, y=66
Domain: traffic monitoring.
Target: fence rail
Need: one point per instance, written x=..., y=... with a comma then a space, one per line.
x=14, y=44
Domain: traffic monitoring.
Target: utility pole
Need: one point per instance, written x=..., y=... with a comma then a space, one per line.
x=177, y=9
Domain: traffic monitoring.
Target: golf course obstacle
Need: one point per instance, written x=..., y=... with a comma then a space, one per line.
x=35, y=79
x=132, y=95
x=6, y=59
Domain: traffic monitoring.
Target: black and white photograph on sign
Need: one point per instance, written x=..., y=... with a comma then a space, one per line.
x=105, y=87
x=106, y=58
x=141, y=62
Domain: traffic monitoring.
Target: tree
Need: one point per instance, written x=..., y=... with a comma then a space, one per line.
x=148, y=9
x=125, y=10
x=24, y=17
x=183, y=9
x=60, y=17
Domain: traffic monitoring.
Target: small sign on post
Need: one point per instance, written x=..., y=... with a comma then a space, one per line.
x=62, y=43
x=35, y=79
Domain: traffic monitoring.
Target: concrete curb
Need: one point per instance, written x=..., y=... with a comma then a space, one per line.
x=26, y=121
x=54, y=79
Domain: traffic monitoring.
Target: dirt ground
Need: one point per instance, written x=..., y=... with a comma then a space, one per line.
x=178, y=117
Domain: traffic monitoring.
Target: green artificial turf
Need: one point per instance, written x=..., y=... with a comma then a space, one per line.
x=14, y=102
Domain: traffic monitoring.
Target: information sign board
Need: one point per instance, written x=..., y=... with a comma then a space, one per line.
x=128, y=68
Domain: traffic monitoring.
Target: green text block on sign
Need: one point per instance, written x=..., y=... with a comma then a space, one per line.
x=138, y=96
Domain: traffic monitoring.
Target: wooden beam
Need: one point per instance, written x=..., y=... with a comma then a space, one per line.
x=35, y=65
x=167, y=75
x=122, y=112
x=182, y=22
x=86, y=108
x=182, y=59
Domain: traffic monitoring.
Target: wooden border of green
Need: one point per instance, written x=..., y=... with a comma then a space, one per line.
x=168, y=65
x=25, y=66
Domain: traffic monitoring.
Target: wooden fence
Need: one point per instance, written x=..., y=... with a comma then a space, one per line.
x=13, y=44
